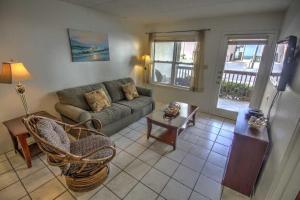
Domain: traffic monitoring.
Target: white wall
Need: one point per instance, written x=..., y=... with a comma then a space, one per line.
x=214, y=39
x=285, y=119
x=35, y=32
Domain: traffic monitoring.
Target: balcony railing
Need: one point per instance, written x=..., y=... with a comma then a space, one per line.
x=183, y=76
x=238, y=85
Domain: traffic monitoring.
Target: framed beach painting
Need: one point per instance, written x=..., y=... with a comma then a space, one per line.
x=88, y=46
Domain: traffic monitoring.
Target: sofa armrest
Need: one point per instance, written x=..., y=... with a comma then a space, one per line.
x=144, y=91
x=74, y=113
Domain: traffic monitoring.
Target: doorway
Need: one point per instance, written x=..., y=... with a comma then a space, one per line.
x=241, y=76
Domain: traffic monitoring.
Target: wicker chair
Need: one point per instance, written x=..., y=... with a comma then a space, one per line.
x=85, y=163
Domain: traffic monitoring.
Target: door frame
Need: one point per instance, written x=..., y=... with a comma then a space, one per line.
x=261, y=79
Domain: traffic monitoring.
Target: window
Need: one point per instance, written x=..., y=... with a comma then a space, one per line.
x=173, y=63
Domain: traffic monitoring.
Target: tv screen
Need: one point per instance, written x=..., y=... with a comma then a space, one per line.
x=283, y=62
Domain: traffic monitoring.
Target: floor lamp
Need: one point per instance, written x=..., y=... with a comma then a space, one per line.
x=15, y=72
x=146, y=63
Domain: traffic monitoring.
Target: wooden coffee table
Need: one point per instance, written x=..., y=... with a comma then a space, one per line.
x=174, y=126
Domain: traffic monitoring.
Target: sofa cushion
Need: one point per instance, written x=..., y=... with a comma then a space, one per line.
x=137, y=103
x=111, y=114
x=75, y=96
x=114, y=88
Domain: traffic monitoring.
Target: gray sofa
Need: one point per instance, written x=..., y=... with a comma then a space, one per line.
x=73, y=107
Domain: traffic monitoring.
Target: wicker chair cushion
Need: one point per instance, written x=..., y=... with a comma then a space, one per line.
x=85, y=146
x=91, y=143
x=54, y=134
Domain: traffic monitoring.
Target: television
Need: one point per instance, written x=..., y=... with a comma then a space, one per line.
x=283, y=63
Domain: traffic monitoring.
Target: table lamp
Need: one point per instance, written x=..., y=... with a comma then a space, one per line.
x=15, y=72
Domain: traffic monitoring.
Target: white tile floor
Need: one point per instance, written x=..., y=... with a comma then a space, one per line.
x=142, y=169
x=232, y=105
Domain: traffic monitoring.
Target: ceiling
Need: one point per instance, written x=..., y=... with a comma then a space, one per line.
x=156, y=11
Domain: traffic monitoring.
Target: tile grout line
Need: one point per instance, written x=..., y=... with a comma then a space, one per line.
x=161, y=156
x=206, y=160
x=199, y=177
x=214, y=142
x=55, y=177
x=7, y=170
x=170, y=177
x=123, y=170
x=202, y=170
x=36, y=172
x=179, y=163
x=151, y=167
x=200, y=173
x=139, y=181
x=136, y=157
x=68, y=190
x=61, y=194
x=19, y=179
x=31, y=173
x=104, y=185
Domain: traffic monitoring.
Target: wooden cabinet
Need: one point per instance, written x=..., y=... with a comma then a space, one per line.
x=247, y=155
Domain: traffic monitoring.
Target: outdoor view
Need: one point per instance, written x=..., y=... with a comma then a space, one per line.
x=278, y=62
x=173, y=63
x=239, y=75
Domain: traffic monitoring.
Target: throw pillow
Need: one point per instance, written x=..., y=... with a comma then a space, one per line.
x=130, y=91
x=97, y=100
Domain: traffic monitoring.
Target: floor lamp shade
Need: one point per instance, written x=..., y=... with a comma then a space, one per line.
x=13, y=72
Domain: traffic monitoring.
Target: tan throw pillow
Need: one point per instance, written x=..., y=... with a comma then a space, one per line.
x=97, y=100
x=130, y=91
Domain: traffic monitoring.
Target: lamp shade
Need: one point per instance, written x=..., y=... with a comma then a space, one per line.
x=146, y=59
x=13, y=72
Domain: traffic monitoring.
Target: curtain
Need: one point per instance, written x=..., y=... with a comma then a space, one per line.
x=177, y=37
x=199, y=67
x=148, y=70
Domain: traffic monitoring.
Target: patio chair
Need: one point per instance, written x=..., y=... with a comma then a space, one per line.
x=159, y=76
x=82, y=154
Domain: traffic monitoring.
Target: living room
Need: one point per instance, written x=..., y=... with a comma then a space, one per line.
x=171, y=51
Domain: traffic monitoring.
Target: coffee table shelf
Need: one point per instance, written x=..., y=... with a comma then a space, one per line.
x=173, y=126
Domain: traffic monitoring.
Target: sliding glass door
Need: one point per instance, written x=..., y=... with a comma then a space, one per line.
x=242, y=74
